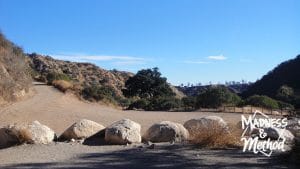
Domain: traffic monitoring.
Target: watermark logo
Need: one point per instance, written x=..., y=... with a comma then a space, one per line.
x=258, y=133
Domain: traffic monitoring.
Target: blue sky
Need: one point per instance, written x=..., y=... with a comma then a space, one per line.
x=189, y=40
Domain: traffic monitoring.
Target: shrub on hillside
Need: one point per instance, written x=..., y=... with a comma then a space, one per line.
x=262, y=101
x=62, y=85
x=285, y=93
x=57, y=76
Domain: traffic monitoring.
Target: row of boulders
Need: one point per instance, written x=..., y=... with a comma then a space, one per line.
x=124, y=131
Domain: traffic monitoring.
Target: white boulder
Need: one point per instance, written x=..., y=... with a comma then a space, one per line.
x=204, y=125
x=82, y=129
x=166, y=131
x=123, y=132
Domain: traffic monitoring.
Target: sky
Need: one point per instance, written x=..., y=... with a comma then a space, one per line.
x=196, y=41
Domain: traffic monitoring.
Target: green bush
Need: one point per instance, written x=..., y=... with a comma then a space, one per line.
x=262, y=101
x=97, y=92
x=57, y=76
x=189, y=103
x=156, y=104
x=216, y=96
x=123, y=102
x=284, y=105
x=139, y=104
x=163, y=104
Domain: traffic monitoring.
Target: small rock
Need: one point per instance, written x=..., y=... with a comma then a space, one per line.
x=148, y=143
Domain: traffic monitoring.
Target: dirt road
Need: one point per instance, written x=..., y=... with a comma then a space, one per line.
x=58, y=111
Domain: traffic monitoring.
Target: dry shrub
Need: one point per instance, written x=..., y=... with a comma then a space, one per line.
x=216, y=136
x=62, y=85
x=25, y=136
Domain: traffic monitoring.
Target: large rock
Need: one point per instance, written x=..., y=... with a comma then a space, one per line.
x=6, y=139
x=274, y=134
x=81, y=130
x=205, y=124
x=294, y=127
x=34, y=133
x=123, y=132
x=166, y=131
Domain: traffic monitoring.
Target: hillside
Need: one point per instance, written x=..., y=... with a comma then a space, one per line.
x=83, y=74
x=14, y=71
x=285, y=75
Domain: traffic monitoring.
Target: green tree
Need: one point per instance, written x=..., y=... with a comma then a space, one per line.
x=147, y=83
x=216, y=96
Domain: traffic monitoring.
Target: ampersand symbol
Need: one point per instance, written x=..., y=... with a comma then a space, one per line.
x=262, y=133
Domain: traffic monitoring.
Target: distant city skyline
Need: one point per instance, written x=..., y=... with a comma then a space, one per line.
x=190, y=41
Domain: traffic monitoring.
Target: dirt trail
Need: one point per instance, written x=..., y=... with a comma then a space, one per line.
x=58, y=111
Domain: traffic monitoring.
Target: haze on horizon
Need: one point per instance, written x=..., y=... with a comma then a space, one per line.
x=190, y=41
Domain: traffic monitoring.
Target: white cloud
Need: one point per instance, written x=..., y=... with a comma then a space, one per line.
x=195, y=62
x=119, y=60
x=218, y=57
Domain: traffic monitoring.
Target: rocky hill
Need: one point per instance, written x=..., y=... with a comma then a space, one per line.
x=83, y=74
x=15, y=78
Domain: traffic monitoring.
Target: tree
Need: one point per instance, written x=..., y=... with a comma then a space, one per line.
x=285, y=93
x=147, y=84
x=216, y=96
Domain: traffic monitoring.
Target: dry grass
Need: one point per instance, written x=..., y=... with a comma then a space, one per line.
x=215, y=136
x=62, y=85
x=24, y=135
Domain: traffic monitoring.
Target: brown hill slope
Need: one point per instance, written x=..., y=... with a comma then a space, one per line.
x=14, y=71
x=85, y=74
